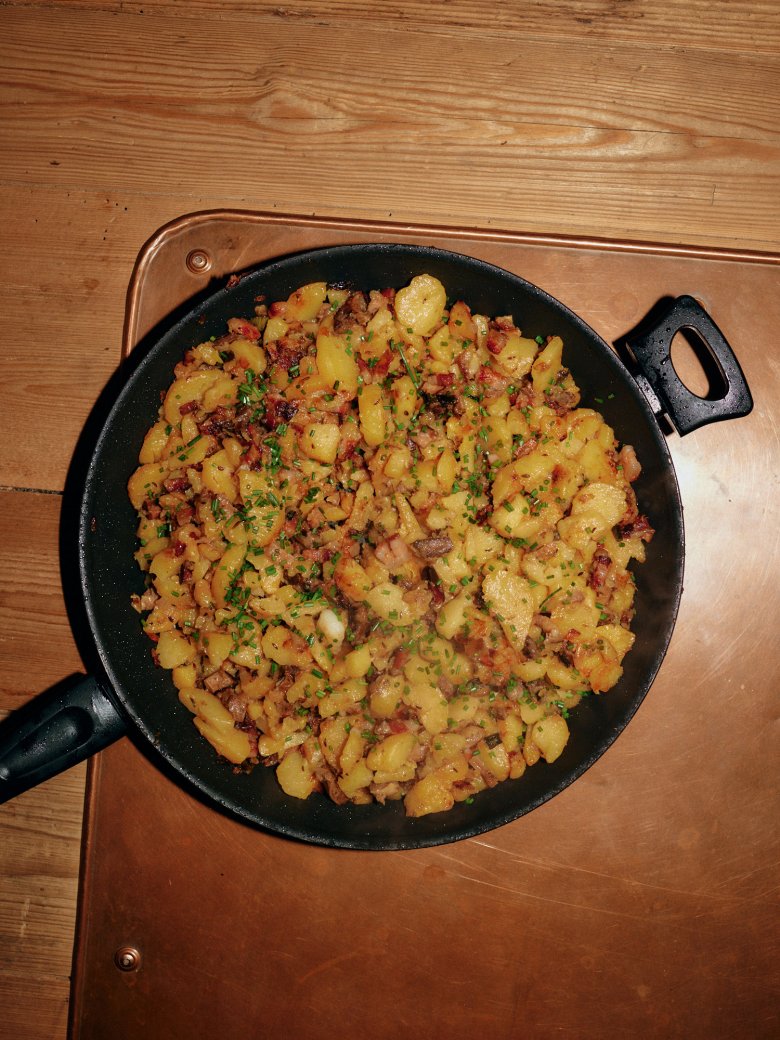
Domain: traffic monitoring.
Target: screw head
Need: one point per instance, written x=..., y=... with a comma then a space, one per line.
x=198, y=261
x=127, y=958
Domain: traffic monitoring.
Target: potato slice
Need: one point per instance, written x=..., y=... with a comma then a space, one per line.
x=432, y=794
x=420, y=305
x=303, y=303
x=187, y=391
x=295, y=775
x=605, y=500
x=320, y=441
x=510, y=600
x=174, y=649
x=550, y=735
x=336, y=362
x=547, y=365
x=226, y=572
x=263, y=506
x=372, y=414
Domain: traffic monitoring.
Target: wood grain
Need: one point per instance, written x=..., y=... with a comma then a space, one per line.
x=40, y=830
x=115, y=98
x=63, y=278
x=34, y=1008
x=37, y=647
x=721, y=24
x=638, y=119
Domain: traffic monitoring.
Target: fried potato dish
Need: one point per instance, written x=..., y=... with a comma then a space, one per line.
x=387, y=552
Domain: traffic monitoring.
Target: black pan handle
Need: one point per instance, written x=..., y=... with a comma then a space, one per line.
x=59, y=728
x=652, y=350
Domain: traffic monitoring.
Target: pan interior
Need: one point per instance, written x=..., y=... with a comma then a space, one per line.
x=109, y=572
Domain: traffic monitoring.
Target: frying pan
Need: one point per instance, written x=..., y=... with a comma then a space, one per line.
x=128, y=694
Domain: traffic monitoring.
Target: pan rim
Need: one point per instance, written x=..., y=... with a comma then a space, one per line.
x=468, y=828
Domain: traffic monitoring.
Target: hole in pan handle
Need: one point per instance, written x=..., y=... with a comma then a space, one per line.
x=652, y=350
x=54, y=731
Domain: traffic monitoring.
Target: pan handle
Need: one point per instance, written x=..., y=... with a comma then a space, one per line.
x=652, y=350
x=59, y=728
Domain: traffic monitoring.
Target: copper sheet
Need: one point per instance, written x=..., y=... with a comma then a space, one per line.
x=640, y=902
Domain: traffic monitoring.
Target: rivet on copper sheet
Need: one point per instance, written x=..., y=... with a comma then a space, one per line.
x=127, y=958
x=198, y=261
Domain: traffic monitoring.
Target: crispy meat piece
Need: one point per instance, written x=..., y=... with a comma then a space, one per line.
x=639, y=528
x=176, y=484
x=278, y=410
x=433, y=547
x=325, y=775
x=525, y=448
x=287, y=352
x=496, y=340
x=220, y=421
x=561, y=400
x=438, y=383
x=599, y=568
x=235, y=703
x=376, y=301
x=353, y=313
x=492, y=382
x=217, y=681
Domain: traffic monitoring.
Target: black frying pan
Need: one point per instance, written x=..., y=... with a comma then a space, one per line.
x=128, y=693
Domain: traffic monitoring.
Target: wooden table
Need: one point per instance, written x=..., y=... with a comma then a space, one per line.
x=644, y=120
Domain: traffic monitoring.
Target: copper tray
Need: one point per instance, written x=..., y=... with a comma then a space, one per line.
x=638, y=902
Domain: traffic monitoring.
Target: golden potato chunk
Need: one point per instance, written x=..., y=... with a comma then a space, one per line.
x=420, y=306
x=510, y=599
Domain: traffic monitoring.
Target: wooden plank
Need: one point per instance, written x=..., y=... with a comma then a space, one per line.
x=667, y=156
x=723, y=24
x=573, y=84
x=40, y=835
x=37, y=648
x=34, y=1009
x=64, y=270
x=40, y=831
x=100, y=61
